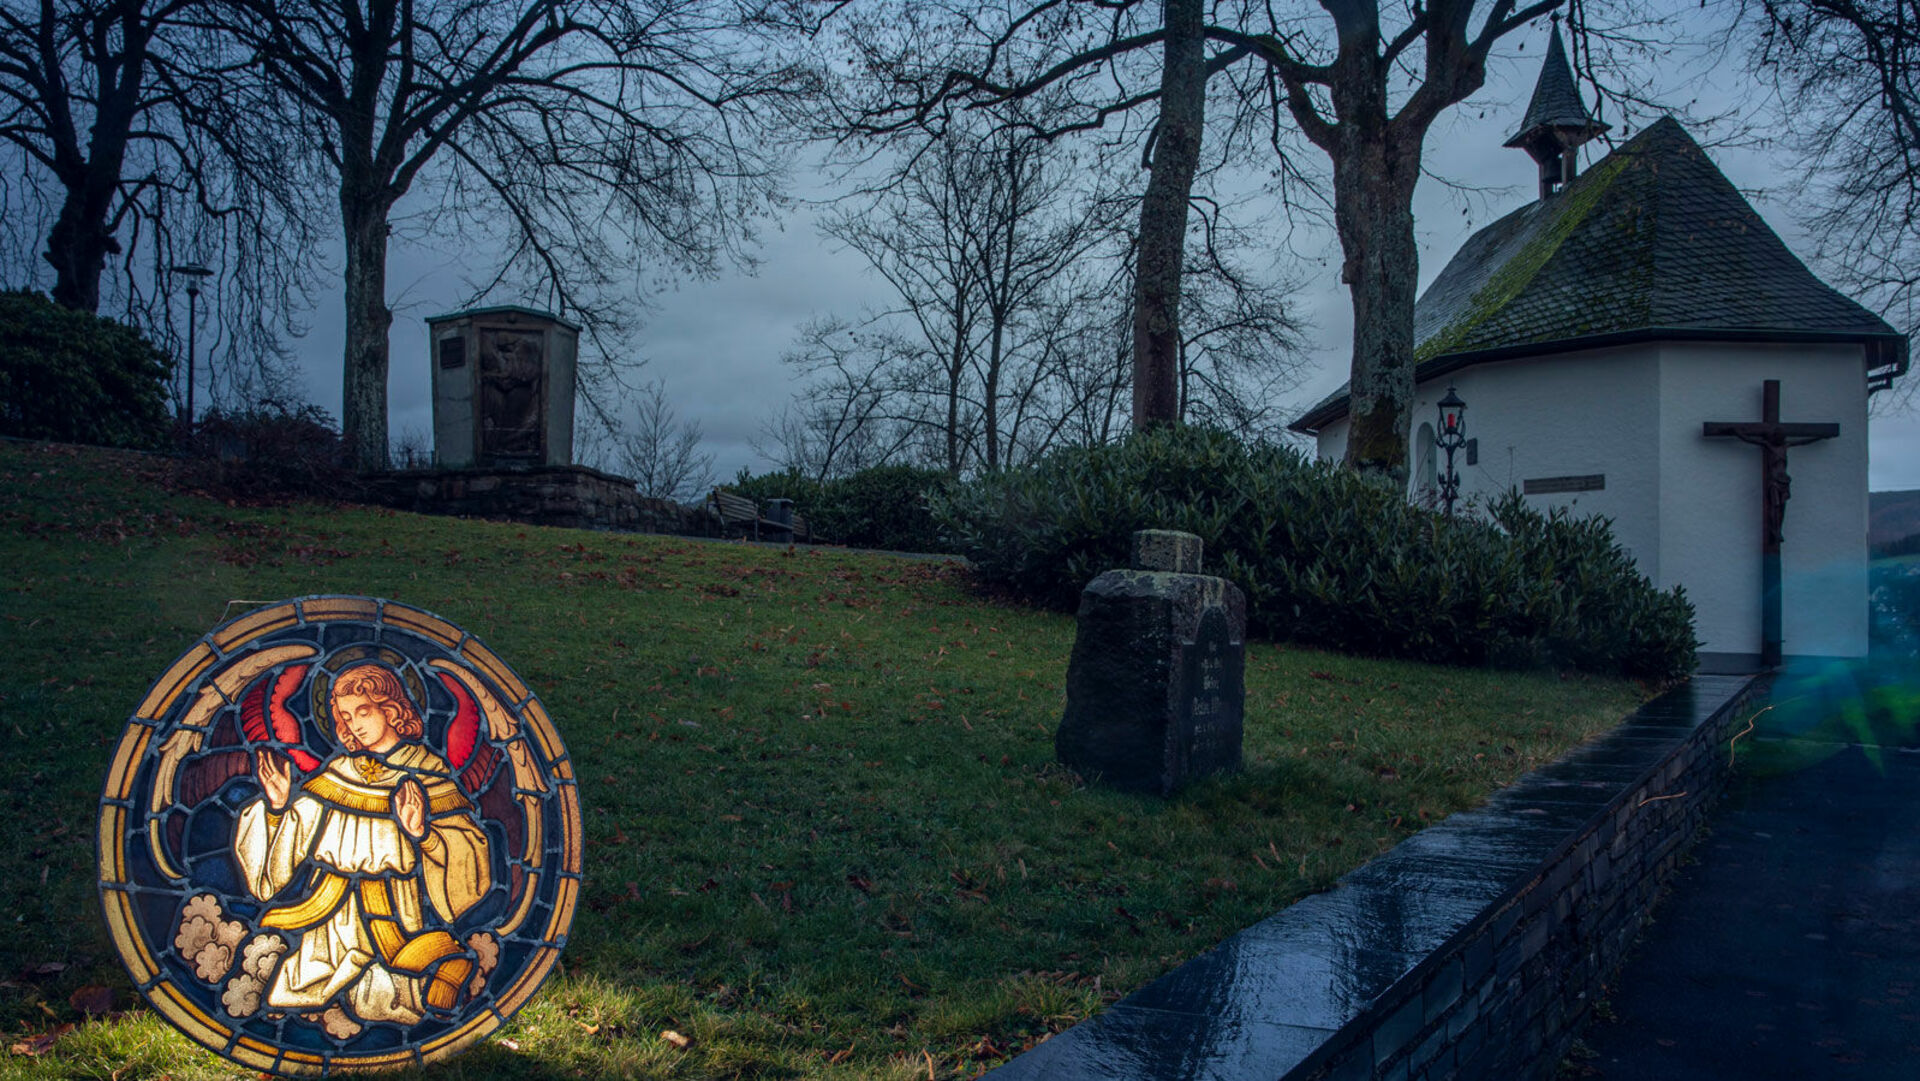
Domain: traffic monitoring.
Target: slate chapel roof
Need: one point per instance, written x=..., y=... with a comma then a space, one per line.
x=1651, y=243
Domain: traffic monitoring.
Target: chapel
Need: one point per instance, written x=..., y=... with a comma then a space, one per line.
x=1637, y=343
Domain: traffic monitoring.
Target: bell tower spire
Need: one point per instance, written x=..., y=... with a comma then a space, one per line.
x=1556, y=120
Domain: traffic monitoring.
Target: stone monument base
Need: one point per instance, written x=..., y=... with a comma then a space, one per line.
x=572, y=496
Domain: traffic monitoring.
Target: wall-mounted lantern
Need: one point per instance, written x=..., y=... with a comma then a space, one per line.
x=1451, y=437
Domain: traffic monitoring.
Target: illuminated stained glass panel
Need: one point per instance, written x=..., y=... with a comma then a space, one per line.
x=339, y=833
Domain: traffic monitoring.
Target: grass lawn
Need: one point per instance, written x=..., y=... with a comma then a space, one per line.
x=826, y=835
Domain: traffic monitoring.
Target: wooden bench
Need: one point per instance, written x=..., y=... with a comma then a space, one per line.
x=737, y=510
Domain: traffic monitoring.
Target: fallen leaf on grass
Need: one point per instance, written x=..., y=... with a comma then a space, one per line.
x=92, y=1000
x=41, y=1043
x=510, y=1043
x=676, y=1039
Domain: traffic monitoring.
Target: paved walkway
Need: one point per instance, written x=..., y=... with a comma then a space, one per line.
x=1791, y=948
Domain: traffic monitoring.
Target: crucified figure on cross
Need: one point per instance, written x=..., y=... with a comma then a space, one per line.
x=1773, y=437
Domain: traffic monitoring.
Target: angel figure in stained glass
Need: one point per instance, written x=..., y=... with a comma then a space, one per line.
x=391, y=854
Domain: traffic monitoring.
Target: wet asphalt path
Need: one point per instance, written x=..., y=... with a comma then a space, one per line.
x=1790, y=946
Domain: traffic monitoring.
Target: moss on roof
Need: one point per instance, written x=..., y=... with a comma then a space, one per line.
x=1652, y=240
x=1507, y=278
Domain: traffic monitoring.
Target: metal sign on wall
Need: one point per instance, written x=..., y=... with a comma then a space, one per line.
x=339, y=833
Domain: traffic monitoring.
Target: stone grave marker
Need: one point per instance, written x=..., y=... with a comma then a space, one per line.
x=1155, y=691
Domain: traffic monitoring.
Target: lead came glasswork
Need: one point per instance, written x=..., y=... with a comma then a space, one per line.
x=339, y=833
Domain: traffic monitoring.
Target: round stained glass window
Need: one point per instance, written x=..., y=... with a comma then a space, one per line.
x=339, y=833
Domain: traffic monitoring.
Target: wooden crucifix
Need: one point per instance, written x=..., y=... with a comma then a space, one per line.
x=1773, y=437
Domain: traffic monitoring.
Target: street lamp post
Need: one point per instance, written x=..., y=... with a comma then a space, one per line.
x=1453, y=436
x=193, y=272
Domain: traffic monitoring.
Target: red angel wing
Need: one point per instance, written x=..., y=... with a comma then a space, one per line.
x=469, y=756
x=264, y=715
x=464, y=732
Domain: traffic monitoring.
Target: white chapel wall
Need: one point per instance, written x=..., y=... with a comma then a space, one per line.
x=1330, y=442
x=1583, y=414
x=1686, y=507
x=1549, y=420
x=1711, y=495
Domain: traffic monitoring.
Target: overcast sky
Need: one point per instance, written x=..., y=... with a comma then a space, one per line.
x=716, y=344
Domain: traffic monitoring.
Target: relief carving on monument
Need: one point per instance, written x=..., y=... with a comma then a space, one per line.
x=511, y=402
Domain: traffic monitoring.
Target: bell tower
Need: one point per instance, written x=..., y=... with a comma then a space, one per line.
x=1557, y=121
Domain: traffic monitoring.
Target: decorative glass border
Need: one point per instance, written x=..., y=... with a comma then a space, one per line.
x=484, y=768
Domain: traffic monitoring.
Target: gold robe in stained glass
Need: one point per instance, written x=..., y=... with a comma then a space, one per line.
x=396, y=857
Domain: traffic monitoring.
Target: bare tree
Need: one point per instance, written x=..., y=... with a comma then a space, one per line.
x=117, y=148
x=1093, y=60
x=1019, y=278
x=1172, y=157
x=662, y=453
x=972, y=236
x=1036, y=224
x=1361, y=81
x=600, y=132
x=1241, y=345
x=1848, y=75
x=1336, y=82
x=84, y=82
x=917, y=238
x=413, y=448
x=842, y=420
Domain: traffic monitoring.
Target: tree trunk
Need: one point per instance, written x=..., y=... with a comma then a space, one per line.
x=990, y=391
x=363, y=397
x=1373, y=210
x=1376, y=164
x=1163, y=218
x=953, y=424
x=79, y=243
x=81, y=237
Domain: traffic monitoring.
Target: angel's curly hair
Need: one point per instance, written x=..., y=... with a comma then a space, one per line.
x=382, y=686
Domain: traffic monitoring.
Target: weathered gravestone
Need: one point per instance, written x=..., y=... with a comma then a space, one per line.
x=1155, y=696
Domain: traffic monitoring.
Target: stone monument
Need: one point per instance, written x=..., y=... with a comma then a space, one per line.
x=1155, y=691
x=503, y=383
x=503, y=386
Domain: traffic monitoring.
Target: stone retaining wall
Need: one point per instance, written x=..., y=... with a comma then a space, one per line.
x=1509, y=995
x=1475, y=949
x=571, y=496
